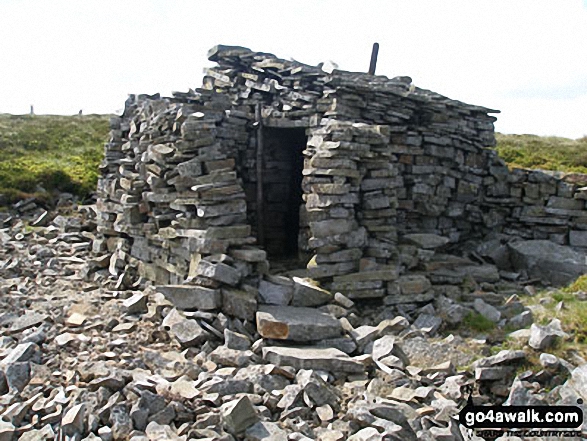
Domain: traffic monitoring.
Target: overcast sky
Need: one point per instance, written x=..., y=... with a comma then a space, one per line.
x=527, y=58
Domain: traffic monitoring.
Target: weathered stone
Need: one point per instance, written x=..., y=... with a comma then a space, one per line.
x=238, y=415
x=548, y=261
x=28, y=320
x=238, y=303
x=413, y=284
x=189, y=333
x=543, y=337
x=328, y=359
x=136, y=304
x=18, y=375
x=218, y=271
x=23, y=352
x=425, y=241
x=503, y=357
x=265, y=431
x=235, y=340
x=190, y=297
x=307, y=293
x=486, y=310
x=296, y=323
x=276, y=294
x=428, y=323
x=74, y=420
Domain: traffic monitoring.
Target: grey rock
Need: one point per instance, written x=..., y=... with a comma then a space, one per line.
x=23, y=352
x=549, y=361
x=493, y=373
x=235, y=340
x=27, y=321
x=414, y=284
x=547, y=261
x=316, y=390
x=388, y=346
x=18, y=375
x=543, y=337
x=189, y=333
x=343, y=300
x=521, y=320
x=428, y=323
x=366, y=434
x=521, y=395
x=451, y=312
x=219, y=271
x=425, y=241
x=276, y=293
x=157, y=431
x=120, y=422
x=296, y=323
x=504, y=357
x=495, y=252
x=390, y=418
x=7, y=431
x=231, y=357
x=74, y=420
x=307, y=293
x=486, y=310
x=189, y=297
x=136, y=304
x=238, y=303
x=328, y=359
x=265, y=431
x=238, y=415
x=344, y=344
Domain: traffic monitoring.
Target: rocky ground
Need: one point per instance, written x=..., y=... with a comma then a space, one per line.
x=88, y=351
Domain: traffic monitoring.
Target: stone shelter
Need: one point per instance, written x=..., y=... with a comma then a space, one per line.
x=342, y=179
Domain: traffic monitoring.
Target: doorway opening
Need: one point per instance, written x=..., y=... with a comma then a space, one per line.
x=282, y=190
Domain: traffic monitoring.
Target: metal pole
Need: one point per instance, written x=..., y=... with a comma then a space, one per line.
x=259, y=164
x=373, y=63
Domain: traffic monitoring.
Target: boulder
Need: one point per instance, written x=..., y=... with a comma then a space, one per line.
x=297, y=324
x=328, y=359
x=552, y=263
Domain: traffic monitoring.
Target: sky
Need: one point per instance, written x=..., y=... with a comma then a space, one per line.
x=526, y=58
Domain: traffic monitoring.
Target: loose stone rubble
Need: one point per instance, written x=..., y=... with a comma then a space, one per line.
x=86, y=357
x=181, y=306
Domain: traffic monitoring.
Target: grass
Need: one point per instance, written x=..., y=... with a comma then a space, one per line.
x=573, y=317
x=543, y=152
x=477, y=322
x=51, y=153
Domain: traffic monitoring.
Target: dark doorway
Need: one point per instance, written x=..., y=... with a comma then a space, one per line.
x=282, y=189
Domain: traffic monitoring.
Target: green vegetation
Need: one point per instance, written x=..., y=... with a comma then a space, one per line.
x=56, y=153
x=545, y=306
x=543, y=152
x=478, y=322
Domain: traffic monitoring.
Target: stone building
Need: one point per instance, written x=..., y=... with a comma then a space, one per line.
x=339, y=177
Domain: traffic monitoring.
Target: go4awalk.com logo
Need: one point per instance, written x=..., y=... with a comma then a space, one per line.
x=522, y=418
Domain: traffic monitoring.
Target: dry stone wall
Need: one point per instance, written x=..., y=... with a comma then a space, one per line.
x=376, y=160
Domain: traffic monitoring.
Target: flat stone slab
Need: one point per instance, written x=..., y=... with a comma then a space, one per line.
x=426, y=241
x=329, y=359
x=296, y=323
x=192, y=297
x=548, y=261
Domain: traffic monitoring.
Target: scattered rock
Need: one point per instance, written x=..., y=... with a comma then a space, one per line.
x=543, y=337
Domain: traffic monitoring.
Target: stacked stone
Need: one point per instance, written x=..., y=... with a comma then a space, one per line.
x=383, y=157
x=331, y=185
x=379, y=196
x=540, y=205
